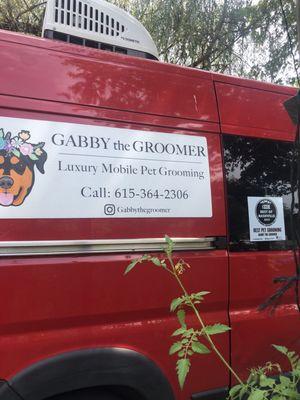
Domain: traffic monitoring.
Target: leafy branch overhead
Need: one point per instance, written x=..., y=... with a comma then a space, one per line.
x=22, y=15
x=243, y=37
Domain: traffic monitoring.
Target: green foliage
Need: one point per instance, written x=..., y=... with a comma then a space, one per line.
x=170, y=246
x=261, y=383
x=215, y=329
x=181, y=318
x=22, y=15
x=177, y=346
x=185, y=300
x=188, y=345
x=243, y=37
x=138, y=261
x=200, y=348
x=261, y=386
x=189, y=341
x=182, y=367
x=293, y=358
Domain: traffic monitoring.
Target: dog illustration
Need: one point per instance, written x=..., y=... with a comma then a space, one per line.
x=18, y=159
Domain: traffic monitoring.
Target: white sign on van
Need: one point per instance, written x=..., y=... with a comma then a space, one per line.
x=65, y=170
x=266, y=219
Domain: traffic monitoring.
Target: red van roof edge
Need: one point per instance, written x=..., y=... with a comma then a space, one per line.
x=31, y=40
x=101, y=55
x=251, y=83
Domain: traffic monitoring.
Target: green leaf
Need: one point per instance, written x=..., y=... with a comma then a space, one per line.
x=200, y=348
x=291, y=355
x=296, y=372
x=284, y=380
x=215, y=329
x=175, y=347
x=182, y=367
x=281, y=349
x=266, y=382
x=289, y=393
x=294, y=359
x=131, y=265
x=235, y=390
x=243, y=391
x=251, y=378
x=156, y=261
x=16, y=153
x=201, y=294
x=297, y=396
x=168, y=240
x=181, y=318
x=179, y=331
x=1, y=133
x=257, y=394
x=170, y=245
x=175, y=303
x=197, y=298
x=189, y=332
x=33, y=157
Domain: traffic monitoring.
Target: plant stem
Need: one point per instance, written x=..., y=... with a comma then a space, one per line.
x=209, y=339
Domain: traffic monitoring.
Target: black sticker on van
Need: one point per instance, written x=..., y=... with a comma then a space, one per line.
x=266, y=212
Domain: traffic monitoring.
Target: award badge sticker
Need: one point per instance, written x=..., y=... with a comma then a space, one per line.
x=266, y=219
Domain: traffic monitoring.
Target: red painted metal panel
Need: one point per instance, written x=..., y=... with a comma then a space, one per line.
x=106, y=56
x=249, y=108
x=254, y=112
x=253, y=332
x=79, y=78
x=251, y=83
x=49, y=110
x=59, y=304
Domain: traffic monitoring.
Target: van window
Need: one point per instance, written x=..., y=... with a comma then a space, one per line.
x=258, y=168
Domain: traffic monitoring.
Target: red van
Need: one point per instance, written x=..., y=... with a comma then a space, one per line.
x=101, y=155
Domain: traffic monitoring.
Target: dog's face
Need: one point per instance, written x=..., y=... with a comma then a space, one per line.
x=17, y=172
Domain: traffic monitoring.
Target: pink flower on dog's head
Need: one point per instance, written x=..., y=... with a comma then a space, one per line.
x=18, y=145
x=24, y=135
x=26, y=149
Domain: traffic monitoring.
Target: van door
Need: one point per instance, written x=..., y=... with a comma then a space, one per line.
x=258, y=170
x=258, y=145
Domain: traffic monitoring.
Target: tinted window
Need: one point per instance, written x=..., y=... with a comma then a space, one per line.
x=256, y=167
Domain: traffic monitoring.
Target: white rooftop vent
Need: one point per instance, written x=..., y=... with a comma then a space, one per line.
x=97, y=24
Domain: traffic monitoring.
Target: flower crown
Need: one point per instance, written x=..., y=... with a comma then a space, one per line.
x=18, y=145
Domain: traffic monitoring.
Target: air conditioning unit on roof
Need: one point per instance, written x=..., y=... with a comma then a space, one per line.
x=97, y=24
